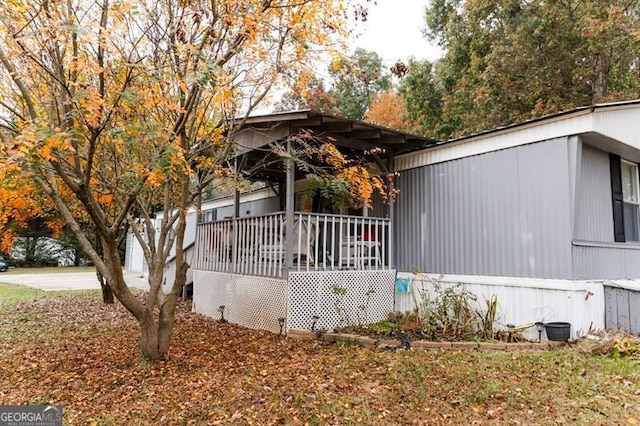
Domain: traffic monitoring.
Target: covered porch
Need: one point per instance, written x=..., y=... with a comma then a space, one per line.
x=257, y=245
x=292, y=268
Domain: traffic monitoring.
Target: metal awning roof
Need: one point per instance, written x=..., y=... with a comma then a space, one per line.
x=253, y=135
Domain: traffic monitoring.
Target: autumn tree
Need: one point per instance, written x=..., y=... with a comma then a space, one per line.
x=25, y=212
x=387, y=109
x=120, y=108
x=308, y=92
x=508, y=61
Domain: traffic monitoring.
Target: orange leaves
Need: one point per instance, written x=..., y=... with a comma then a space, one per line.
x=331, y=155
x=22, y=201
x=388, y=110
x=91, y=104
x=155, y=178
x=105, y=199
x=221, y=373
x=7, y=240
x=362, y=184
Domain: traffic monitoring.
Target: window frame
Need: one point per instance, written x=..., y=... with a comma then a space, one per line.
x=637, y=185
x=627, y=201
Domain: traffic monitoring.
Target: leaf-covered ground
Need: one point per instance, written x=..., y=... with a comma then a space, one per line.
x=70, y=349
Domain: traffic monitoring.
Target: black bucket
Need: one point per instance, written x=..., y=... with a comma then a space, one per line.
x=558, y=331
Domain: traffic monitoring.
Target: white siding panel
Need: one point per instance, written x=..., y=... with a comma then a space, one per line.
x=523, y=300
x=622, y=124
x=556, y=127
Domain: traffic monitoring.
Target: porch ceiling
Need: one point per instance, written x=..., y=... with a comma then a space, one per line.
x=352, y=137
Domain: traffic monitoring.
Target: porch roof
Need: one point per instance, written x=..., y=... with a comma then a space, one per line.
x=351, y=136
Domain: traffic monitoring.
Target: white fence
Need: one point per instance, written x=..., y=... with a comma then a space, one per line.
x=321, y=242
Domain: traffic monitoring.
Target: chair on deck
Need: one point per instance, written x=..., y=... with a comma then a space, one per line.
x=303, y=245
x=360, y=251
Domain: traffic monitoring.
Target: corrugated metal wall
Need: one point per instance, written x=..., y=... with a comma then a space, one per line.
x=606, y=262
x=594, y=214
x=252, y=208
x=595, y=254
x=504, y=213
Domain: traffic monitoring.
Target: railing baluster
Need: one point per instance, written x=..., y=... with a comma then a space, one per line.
x=280, y=256
x=256, y=245
x=333, y=243
x=308, y=242
x=316, y=242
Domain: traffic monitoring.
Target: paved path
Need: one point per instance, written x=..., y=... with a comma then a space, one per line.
x=56, y=281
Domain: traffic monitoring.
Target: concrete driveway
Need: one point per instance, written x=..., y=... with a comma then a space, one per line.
x=66, y=279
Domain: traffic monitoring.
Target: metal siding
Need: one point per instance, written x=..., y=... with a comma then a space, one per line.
x=622, y=300
x=634, y=312
x=594, y=214
x=409, y=244
x=622, y=309
x=610, y=308
x=631, y=264
x=255, y=208
x=378, y=207
x=503, y=213
x=620, y=124
x=558, y=127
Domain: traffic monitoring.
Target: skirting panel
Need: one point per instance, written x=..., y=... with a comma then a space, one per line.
x=520, y=300
x=339, y=297
x=254, y=302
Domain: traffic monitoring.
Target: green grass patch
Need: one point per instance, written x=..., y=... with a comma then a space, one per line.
x=10, y=294
x=49, y=270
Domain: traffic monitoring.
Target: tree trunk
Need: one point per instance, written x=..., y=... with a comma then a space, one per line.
x=107, y=293
x=149, y=338
x=600, y=82
x=166, y=323
x=167, y=316
x=143, y=312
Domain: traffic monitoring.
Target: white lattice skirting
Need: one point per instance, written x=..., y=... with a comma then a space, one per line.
x=368, y=297
x=254, y=302
x=336, y=297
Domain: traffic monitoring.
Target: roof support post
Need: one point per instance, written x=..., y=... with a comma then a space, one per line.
x=236, y=214
x=289, y=207
x=390, y=188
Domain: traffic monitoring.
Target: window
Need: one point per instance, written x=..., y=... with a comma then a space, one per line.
x=631, y=200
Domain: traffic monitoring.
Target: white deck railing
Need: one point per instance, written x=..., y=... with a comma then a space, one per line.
x=256, y=245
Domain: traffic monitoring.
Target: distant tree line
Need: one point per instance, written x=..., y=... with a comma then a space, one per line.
x=505, y=61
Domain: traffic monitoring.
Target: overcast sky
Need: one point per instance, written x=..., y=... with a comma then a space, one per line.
x=394, y=31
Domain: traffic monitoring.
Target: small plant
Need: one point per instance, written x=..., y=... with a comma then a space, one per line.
x=337, y=191
x=445, y=311
x=363, y=310
x=625, y=348
x=340, y=292
x=487, y=317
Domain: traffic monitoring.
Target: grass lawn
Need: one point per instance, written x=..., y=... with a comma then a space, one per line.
x=68, y=348
x=48, y=270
